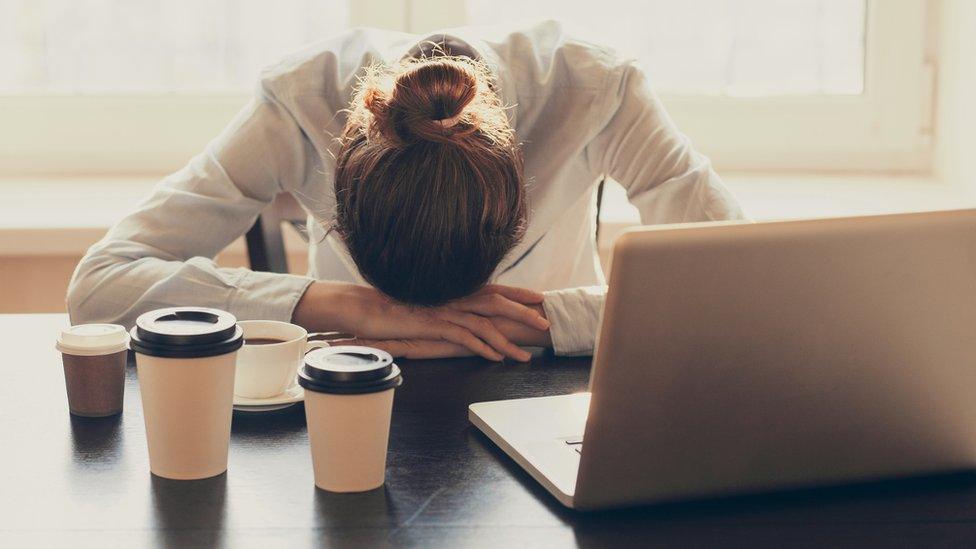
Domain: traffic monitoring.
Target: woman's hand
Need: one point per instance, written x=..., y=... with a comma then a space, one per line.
x=467, y=324
x=516, y=332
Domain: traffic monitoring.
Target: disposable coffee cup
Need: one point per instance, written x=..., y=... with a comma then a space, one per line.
x=348, y=406
x=94, y=356
x=185, y=359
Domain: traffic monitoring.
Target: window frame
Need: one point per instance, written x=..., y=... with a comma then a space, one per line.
x=887, y=128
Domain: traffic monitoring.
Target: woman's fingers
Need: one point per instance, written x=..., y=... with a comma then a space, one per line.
x=463, y=323
x=520, y=295
x=410, y=325
x=491, y=304
x=487, y=332
x=455, y=333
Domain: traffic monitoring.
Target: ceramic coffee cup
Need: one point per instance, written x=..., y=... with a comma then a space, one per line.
x=348, y=406
x=185, y=358
x=272, y=353
x=94, y=358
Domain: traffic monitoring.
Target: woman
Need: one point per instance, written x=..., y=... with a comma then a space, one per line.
x=449, y=181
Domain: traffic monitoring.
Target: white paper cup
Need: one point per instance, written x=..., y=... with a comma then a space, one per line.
x=348, y=406
x=185, y=359
x=348, y=435
x=188, y=405
x=266, y=370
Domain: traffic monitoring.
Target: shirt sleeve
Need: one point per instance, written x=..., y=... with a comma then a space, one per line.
x=162, y=254
x=574, y=315
x=666, y=179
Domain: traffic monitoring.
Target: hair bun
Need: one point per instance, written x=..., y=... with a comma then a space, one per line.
x=440, y=99
x=425, y=94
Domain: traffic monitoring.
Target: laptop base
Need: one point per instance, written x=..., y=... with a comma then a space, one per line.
x=543, y=435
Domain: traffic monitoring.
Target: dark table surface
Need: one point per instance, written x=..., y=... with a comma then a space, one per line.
x=76, y=482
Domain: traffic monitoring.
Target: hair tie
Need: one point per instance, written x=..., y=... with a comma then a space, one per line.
x=450, y=122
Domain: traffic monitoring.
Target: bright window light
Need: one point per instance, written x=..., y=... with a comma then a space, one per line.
x=120, y=86
x=152, y=45
x=718, y=47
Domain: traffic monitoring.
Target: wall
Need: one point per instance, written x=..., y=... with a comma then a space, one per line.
x=37, y=284
x=956, y=122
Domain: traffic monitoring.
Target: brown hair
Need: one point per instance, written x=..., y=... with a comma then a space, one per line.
x=428, y=208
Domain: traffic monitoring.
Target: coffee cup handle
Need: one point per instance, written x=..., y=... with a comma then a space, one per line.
x=312, y=345
x=331, y=337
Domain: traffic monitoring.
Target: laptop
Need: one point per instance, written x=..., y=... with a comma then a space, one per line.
x=736, y=358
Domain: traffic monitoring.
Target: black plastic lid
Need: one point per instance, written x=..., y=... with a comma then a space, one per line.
x=349, y=370
x=186, y=332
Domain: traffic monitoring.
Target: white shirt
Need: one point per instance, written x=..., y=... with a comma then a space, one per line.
x=580, y=111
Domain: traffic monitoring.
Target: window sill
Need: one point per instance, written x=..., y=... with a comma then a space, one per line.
x=777, y=197
x=768, y=197
x=63, y=217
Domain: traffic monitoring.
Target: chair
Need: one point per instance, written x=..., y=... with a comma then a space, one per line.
x=265, y=242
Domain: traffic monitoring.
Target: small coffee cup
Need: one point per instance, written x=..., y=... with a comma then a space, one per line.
x=272, y=353
x=348, y=407
x=94, y=358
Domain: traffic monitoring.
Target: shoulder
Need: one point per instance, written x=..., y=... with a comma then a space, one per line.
x=557, y=54
x=328, y=65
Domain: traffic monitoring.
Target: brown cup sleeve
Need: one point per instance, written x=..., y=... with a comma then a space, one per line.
x=95, y=384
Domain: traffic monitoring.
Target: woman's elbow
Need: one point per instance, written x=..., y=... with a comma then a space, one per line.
x=87, y=300
x=77, y=298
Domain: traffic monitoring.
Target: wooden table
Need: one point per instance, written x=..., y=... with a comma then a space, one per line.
x=75, y=482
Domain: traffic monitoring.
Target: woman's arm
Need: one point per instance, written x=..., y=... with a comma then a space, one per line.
x=161, y=254
x=427, y=348
x=484, y=324
x=665, y=178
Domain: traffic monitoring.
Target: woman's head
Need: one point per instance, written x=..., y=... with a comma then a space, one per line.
x=428, y=183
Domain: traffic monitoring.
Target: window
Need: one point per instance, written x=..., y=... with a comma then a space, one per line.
x=812, y=85
x=150, y=46
x=136, y=86
x=718, y=47
x=103, y=86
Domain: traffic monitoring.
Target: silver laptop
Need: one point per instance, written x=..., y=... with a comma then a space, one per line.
x=738, y=358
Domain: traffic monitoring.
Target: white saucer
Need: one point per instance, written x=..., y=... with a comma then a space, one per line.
x=290, y=397
x=270, y=408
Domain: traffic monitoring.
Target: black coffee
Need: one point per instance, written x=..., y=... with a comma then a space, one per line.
x=263, y=341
